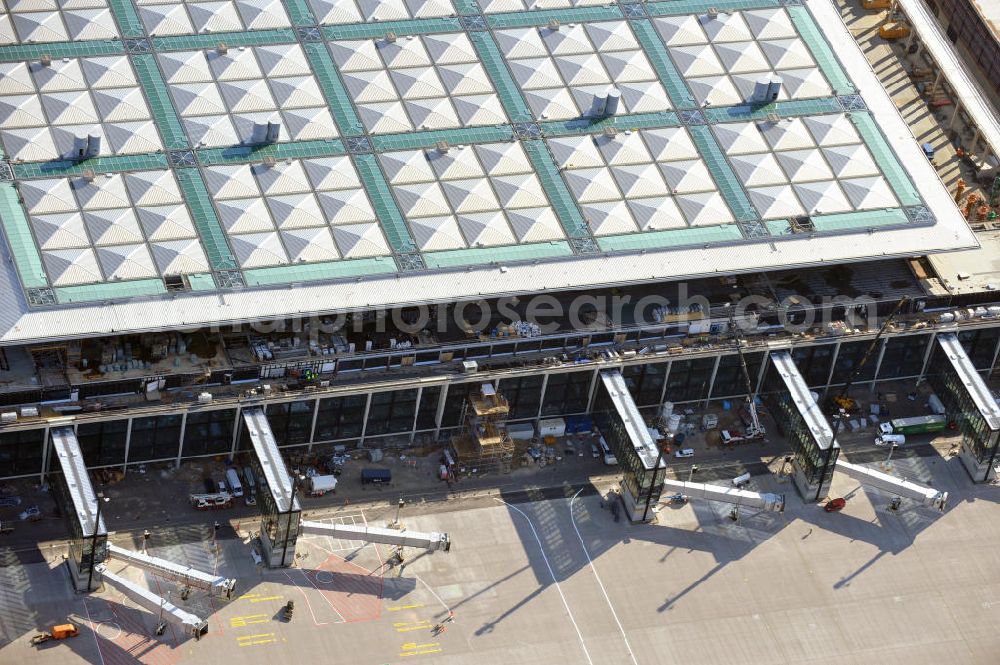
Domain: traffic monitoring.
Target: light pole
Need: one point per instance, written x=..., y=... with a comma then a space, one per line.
x=399, y=506
x=291, y=506
x=101, y=499
x=692, y=471
x=885, y=464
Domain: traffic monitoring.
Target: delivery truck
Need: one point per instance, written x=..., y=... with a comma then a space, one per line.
x=915, y=425
x=320, y=485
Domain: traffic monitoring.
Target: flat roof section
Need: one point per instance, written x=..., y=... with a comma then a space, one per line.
x=818, y=425
x=645, y=447
x=202, y=182
x=74, y=468
x=266, y=449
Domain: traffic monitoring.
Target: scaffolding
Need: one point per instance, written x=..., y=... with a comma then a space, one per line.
x=483, y=445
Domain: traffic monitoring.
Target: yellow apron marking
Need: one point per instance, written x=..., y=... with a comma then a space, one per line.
x=241, y=622
x=419, y=653
x=255, y=640
x=404, y=607
x=262, y=599
x=408, y=626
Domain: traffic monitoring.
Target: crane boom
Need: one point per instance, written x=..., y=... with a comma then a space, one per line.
x=756, y=429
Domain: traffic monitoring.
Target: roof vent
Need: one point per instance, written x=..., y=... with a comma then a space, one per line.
x=89, y=175
x=221, y=48
x=610, y=132
x=773, y=118
x=713, y=12
x=390, y=37
x=442, y=147
x=46, y=60
x=553, y=25
x=270, y=161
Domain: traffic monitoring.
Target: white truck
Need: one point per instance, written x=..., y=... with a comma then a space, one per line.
x=320, y=485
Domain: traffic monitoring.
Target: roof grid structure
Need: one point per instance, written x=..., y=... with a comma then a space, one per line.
x=42, y=21
x=295, y=211
x=645, y=180
x=470, y=196
x=722, y=57
x=417, y=82
x=223, y=95
x=117, y=227
x=48, y=111
x=560, y=70
x=170, y=17
x=805, y=166
x=479, y=86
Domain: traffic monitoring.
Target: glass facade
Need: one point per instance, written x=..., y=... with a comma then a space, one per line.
x=21, y=452
x=980, y=345
x=729, y=380
x=391, y=412
x=454, y=402
x=849, y=357
x=689, y=379
x=427, y=409
x=291, y=422
x=209, y=432
x=523, y=394
x=967, y=27
x=340, y=418
x=645, y=382
x=280, y=527
x=950, y=388
x=156, y=437
x=815, y=463
x=567, y=393
x=904, y=356
x=814, y=363
x=103, y=443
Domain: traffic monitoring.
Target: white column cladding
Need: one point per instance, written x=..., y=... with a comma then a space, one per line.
x=416, y=412
x=364, y=420
x=180, y=442
x=312, y=428
x=128, y=442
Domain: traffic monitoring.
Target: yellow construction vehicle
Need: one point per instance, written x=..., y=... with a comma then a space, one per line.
x=845, y=403
x=60, y=632
x=876, y=4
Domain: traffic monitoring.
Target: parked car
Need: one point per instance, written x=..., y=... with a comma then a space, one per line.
x=684, y=452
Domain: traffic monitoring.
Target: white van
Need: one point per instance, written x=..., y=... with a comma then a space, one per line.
x=249, y=479
x=609, y=457
x=890, y=440
x=233, y=478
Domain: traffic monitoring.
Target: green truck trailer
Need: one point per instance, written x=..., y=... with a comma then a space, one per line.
x=915, y=425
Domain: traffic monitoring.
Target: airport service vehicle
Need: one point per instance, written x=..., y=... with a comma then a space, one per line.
x=915, y=425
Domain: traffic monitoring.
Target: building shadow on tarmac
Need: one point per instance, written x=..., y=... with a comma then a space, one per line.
x=545, y=526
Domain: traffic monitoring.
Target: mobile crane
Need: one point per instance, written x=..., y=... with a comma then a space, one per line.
x=754, y=429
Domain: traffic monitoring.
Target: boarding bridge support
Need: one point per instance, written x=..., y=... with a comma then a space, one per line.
x=969, y=404
x=800, y=420
x=166, y=611
x=625, y=432
x=82, y=511
x=740, y=497
x=276, y=498
x=189, y=578
x=400, y=538
x=927, y=496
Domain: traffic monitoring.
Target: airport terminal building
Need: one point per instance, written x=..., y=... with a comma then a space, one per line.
x=355, y=214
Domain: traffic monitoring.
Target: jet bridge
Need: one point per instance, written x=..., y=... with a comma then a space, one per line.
x=146, y=599
x=927, y=496
x=276, y=500
x=175, y=572
x=79, y=505
x=429, y=541
x=734, y=495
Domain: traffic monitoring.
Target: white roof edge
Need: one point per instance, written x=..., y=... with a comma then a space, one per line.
x=800, y=393
x=194, y=310
x=950, y=63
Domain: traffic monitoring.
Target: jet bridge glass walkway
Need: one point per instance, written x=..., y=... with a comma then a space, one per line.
x=969, y=404
x=88, y=546
x=800, y=419
x=279, y=509
x=624, y=430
